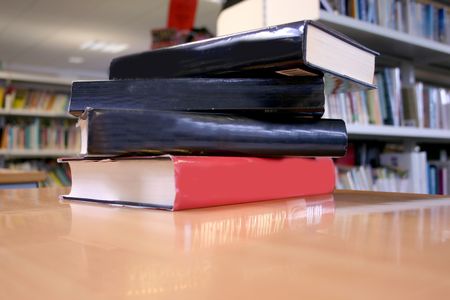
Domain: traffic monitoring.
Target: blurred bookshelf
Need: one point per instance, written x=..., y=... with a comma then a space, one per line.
x=389, y=41
x=35, y=127
x=399, y=134
x=20, y=153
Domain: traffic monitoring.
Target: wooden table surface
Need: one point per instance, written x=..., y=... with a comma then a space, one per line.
x=350, y=245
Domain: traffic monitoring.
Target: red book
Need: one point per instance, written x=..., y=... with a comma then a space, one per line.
x=184, y=182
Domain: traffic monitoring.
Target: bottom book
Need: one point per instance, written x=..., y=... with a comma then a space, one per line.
x=184, y=182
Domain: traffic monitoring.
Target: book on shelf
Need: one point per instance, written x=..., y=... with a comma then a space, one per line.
x=293, y=49
x=418, y=105
x=184, y=182
x=119, y=132
x=439, y=180
x=302, y=95
x=425, y=19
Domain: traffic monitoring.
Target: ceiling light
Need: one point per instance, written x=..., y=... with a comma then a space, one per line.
x=114, y=48
x=101, y=46
x=76, y=60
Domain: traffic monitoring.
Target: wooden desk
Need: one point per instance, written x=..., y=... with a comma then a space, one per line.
x=20, y=179
x=355, y=246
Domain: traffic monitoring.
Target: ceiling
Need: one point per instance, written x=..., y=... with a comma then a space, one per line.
x=41, y=35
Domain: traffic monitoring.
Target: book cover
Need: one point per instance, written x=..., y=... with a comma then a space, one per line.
x=283, y=49
x=116, y=132
x=185, y=182
x=303, y=95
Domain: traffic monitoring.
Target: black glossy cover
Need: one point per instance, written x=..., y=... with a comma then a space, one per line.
x=116, y=132
x=300, y=94
x=255, y=53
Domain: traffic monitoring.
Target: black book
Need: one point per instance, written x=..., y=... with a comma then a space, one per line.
x=303, y=95
x=293, y=49
x=134, y=132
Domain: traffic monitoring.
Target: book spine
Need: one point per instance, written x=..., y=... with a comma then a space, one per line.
x=202, y=183
x=231, y=55
x=300, y=94
x=212, y=134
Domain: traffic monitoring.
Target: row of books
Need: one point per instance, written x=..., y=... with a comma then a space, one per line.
x=420, y=18
x=391, y=168
x=418, y=105
x=12, y=98
x=57, y=174
x=435, y=179
x=40, y=134
x=366, y=178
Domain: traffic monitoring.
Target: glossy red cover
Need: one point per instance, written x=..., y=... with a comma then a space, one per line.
x=211, y=181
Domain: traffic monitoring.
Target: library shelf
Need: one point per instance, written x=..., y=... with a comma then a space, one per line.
x=15, y=76
x=398, y=132
x=389, y=41
x=35, y=113
x=32, y=153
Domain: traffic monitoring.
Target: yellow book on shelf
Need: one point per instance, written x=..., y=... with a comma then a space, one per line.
x=2, y=96
x=20, y=99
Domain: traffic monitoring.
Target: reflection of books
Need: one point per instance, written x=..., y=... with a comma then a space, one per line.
x=214, y=227
x=197, y=229
x=160, y=253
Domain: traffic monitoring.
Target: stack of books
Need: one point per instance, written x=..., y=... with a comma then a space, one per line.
x=226, y=120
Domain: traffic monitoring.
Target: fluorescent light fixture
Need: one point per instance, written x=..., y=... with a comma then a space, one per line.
x=76, y=60
x=101, y=46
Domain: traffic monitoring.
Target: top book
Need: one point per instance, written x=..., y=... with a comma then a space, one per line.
x=293, y=49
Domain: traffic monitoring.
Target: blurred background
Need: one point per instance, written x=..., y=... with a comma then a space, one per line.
x=46, y=44
x=79, y=38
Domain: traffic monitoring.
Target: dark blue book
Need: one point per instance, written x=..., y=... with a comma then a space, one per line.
x=300, y=95
x=293, y=49
x=140, y=132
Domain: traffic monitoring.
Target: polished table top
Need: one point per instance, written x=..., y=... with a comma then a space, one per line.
x=350, y=245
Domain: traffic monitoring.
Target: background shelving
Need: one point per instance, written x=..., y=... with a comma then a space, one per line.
x=386, y=132
x=411, y=54
x=390, y=42
x=29, y=126
x=35, y=113
x=35, y=78
x=14, y=154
